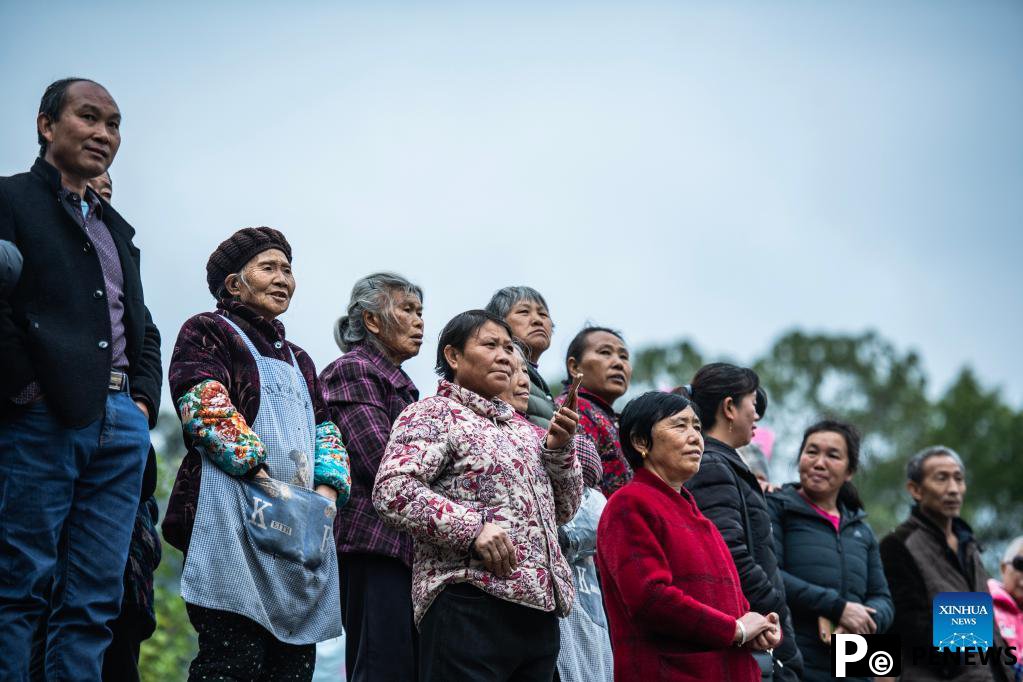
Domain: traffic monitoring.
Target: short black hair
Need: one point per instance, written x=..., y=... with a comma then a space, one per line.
x=52, y=104
x=457, y=331
x=847, y=494
x=578, y=345
x=717, y=381
x=640, y=415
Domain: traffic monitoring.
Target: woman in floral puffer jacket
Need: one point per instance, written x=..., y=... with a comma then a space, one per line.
x=483, y=498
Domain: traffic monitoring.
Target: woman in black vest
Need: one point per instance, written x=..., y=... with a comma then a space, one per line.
x=827, y=552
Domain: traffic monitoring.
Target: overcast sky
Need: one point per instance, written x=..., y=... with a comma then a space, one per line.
x=722, y=171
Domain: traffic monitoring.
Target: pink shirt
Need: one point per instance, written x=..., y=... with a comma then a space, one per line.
x=835, y=519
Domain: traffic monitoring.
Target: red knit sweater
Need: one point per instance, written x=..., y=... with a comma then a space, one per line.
x=670, y=588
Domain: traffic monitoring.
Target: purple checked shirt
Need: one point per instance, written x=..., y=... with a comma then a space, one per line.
x=109, y=261
x=365, y=392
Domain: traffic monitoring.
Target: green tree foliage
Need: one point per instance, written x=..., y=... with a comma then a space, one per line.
x=988, y=434
x=866, y=380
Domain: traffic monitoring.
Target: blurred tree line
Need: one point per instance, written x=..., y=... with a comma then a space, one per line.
x=863, y=379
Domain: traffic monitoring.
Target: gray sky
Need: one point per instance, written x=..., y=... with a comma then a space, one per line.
x=723, y=171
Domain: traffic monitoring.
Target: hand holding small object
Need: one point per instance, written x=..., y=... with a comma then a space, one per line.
x=565, y=420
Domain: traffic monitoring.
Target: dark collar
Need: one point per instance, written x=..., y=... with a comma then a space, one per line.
x=94, y=200
x=793, y=500
x=49, y=174
x=962, y=530
x=391, y=372
x=733, y=459
x=722, y=448
x=46, y=172
x=536, y=378
x=239, y=312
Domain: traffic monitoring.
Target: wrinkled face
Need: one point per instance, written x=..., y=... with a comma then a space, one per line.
x=266, y=284
x=1012, y=578
x=744, y=423
x=531, y=324
x=484, y=366
x=517, y=393
x=83, y=141
x=941, y=492
x=677, y=448
x=102, y=186
x=824, y=464
x=402, y=335
x=605, y=366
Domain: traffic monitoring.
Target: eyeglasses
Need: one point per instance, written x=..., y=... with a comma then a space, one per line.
x=1017, y=562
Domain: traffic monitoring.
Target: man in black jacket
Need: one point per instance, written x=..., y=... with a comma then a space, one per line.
x=79, y=389
x=934, y=551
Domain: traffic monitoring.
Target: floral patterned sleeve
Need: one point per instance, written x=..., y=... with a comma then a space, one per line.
x=330, y=466
x=218, y=430
x=416, y=454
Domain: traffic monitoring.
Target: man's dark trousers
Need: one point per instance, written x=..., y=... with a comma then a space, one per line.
x=66, y=498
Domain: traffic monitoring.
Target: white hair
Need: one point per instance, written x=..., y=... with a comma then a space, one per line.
x=1014, y=549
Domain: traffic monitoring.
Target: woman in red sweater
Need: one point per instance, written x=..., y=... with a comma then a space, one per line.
x=673, y=598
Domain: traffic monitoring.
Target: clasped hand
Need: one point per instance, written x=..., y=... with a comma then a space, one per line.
x=762, y=632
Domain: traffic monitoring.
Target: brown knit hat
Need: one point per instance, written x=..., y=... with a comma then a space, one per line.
x=237, y=250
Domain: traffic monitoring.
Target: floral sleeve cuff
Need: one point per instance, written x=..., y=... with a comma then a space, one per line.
x=331, y=466
x=218, y=430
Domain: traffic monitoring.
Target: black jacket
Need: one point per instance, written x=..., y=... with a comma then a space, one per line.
x=919, y=564
x=716, y=487
x=823, y=570
x=51, y=325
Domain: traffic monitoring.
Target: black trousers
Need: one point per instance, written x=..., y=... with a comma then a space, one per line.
x=376, y=611
x=467, y=634
x=233, y=647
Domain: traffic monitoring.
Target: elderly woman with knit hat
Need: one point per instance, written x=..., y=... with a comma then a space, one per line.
x=255, y=497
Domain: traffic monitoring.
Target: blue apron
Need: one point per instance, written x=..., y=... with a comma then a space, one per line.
x=264, y=547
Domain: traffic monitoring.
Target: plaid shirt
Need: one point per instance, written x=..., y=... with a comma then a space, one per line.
x=599, y=421
x=365, y=392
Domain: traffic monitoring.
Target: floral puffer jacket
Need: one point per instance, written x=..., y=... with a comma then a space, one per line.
x=457, y=460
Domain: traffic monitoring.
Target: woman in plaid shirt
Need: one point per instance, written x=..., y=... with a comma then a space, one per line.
x=365, y=391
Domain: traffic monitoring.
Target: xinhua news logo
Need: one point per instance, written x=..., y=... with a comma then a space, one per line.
x=963, y=621
x=865, y=655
